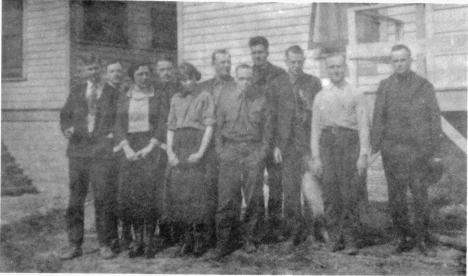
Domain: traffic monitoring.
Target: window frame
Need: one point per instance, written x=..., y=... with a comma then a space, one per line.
x=22, y=76
x=154, y=10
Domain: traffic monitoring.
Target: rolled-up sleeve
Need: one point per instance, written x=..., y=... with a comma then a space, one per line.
x=208, y=113
x=171, y=117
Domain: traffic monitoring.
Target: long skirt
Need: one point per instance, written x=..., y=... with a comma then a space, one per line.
x=189, y=198
x=141, y=181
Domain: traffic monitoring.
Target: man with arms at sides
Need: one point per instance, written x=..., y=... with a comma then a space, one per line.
x=221, y=63
x=340, y=145
x=242, y=141
x=87, y=121
x=297, y=155
x=406, y=129
x=279, y=95
x=114, y=76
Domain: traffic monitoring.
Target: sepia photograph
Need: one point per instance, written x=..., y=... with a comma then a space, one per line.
x=173, y=137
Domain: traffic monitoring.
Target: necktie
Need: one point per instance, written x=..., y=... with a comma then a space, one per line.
x=92, y=104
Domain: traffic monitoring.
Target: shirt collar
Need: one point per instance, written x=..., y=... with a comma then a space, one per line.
x=136, y=93
x=99, y=86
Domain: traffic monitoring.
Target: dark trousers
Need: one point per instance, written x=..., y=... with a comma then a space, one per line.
x=341, y=184
x=403, y=171
x=98, y=172
x=240, y=171
x=291, y=185
x=275, y=197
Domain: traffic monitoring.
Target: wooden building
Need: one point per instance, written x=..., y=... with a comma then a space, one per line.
x=42, y=38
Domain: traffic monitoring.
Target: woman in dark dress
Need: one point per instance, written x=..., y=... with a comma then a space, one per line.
x=139, y=130
x=190, y=128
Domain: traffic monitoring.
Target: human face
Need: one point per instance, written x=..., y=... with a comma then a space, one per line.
x=188, y=83
x=164, y=70
x=295, y=63
x=244, y=78
x=401, y=61
x=259, y=54
x=92, y=72
x=115, y=73
x=142, y=76
x=336, y=68
x=222, y=64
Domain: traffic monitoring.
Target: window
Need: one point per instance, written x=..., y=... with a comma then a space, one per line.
x=164, y=26
x=329, y=26
x=12, y=39
x=105, y=21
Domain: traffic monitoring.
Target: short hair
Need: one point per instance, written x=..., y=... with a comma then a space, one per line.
x=296, y=49
x=258, y=40
x=399, y=47
x=134, y=67
x=164, y=57
x=90, y=58
x=219, y=51
x=335, y=54
x=113, y=61
x=243, y=66
x=189, y=70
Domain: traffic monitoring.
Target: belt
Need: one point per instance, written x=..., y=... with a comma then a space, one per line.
x=336, y=129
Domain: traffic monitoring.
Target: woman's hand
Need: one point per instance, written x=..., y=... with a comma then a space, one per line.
x=172, y=158
x=317, y=167
x=145, y=151
x=195, y=157
x=130, y=154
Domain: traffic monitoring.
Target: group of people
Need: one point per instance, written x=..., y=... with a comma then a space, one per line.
x=175, y=160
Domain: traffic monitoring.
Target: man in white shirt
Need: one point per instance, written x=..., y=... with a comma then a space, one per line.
x=340, y=146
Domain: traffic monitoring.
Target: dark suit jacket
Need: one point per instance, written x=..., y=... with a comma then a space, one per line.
x=209, y=86
x=157, y=117
x=167, y=90
x=406, y=112
x=75, y=113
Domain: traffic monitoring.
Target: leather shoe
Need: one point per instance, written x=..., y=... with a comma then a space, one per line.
x=425, y=250
x=136, y=250
x=107, y=253
x=333, y=246
x=71, y=253
x=249, y=247
x=403, y=246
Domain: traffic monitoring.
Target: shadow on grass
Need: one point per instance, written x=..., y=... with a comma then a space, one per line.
x=22, y=242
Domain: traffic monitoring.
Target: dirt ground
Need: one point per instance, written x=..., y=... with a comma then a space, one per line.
x=32, y=233
x=31, y=245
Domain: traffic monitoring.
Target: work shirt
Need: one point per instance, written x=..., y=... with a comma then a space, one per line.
x=195, y=110
x=138, y=110
x=340, y=107
x=216, y=85
x=243, y=117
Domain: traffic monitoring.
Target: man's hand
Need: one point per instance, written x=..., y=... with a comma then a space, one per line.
x=163, y=146
x=172, y=158
x=362, y=164
x=145, y=151
x=68, y=132
x=130, y=154
x=317, y=167
x=277, y=155
x=110, y=135
x=194, y=158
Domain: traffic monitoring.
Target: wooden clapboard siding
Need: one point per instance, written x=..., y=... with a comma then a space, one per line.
x=210, y=26
x=45, y=82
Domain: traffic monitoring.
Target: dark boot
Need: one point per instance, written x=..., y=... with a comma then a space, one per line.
x=201, y=238
x=126, y=239
x=137, y=248
x=186, y=242
x=404, y=244
x=150, y=251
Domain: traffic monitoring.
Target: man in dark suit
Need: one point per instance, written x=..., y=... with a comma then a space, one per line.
x=264, y=75
x=87, y=121
x=406, y=129
x=297, y=154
